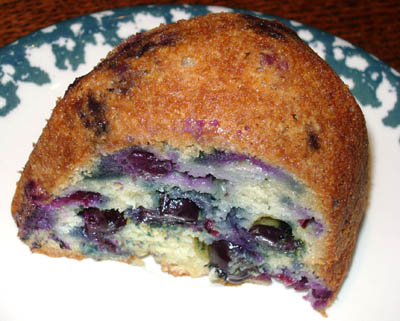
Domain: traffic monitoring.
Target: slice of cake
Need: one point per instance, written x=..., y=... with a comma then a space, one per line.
x=221, y=145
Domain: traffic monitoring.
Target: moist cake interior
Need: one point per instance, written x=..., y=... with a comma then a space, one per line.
x=228, y=215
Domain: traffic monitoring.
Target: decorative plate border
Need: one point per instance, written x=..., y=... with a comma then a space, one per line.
x=372, y=82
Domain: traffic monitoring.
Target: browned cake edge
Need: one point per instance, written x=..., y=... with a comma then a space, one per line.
x=272, y=97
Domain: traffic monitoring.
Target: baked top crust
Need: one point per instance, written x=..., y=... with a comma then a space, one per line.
x=225, y=81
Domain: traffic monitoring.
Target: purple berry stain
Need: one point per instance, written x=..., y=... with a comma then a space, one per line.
x=79, y=198
x=195, y=127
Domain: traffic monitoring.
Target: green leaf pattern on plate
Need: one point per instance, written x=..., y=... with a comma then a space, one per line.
x=373, y=83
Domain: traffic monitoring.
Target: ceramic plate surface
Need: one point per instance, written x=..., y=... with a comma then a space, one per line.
x=37, y=69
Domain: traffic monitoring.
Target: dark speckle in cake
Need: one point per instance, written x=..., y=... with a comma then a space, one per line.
x=35, y=245
x=274, y=29
x=335, y=204
x=165, y=39
x=313, y=140
x=126, y=78
x=92, y=114
x=34, y=193
x=61, y=243
x=96, y=110
x=137, y=45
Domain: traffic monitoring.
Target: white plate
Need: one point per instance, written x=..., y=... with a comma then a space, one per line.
x=37, y=69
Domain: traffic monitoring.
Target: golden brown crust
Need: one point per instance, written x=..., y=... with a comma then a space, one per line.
x=224, y=81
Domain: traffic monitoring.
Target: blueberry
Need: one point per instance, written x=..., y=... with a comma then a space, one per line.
x=170, y=211
x=278, y=237
x=218, y=253
x=180, y=209
x=99, y=223
x=222, y=254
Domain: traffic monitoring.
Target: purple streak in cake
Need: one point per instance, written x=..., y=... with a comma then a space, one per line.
x=222, y=158
x=41, y=218
x=305, y=217
x=176, y=211
x=238, y=234
x=40, y=215
x=203, y=184
x=79, y=198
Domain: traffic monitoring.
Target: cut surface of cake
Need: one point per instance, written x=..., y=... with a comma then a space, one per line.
x=221, y=145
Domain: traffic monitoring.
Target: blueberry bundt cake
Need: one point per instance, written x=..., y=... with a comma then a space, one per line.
x=220, y=145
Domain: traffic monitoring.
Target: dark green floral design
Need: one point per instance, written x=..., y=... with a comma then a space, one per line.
x=365, y=81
